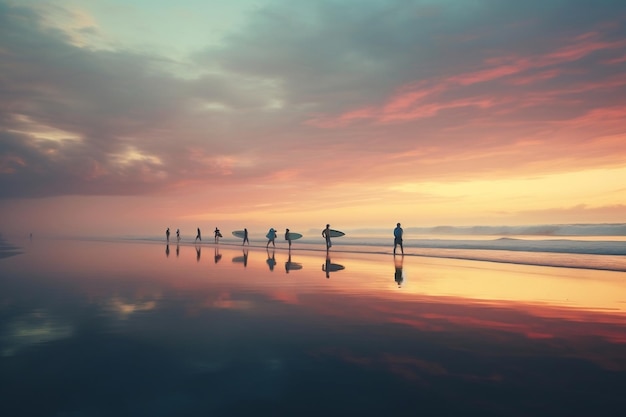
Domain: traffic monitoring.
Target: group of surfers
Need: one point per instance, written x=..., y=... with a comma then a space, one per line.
x=398, y=233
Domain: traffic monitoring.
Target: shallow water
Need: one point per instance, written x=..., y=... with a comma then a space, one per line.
x=131, y=328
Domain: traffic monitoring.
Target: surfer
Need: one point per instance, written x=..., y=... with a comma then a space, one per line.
x=167, y=234
x=178, y=235
x=326, y=235
x=245, y=237
x=397, y=238
x=271, y=236
x=198, y=236
x=288, y=237
x=218, y=235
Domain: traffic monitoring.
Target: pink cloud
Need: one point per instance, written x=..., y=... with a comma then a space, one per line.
x=422, y=99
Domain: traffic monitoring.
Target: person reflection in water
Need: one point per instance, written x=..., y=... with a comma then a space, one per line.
x=288, y=263
x=398, y=275
x=177, y=250
x=167, y=250
x=198, y=253
x=271, y=260
x=218, y=255
x=326, y=265
x=245, y=257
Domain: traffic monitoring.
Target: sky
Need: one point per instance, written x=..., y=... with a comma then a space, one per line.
x=122, y=117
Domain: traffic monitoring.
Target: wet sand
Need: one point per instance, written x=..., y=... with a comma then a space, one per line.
x=225, y=329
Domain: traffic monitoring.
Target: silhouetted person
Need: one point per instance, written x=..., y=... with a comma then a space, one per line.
x=198, y=237
x=178, y=235
x=288, y=237
x=245, y=237
x=271, y=237
x=198, y=253
x=245, y=258
x=217, y=234
x=398, y=277
x=326, y=235
x=271, y=261
x=167, y=234
x=397, y=238
x=167, y=250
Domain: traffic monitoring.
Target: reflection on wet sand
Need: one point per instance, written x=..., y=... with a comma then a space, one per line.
x=456, y=332
x=291, y=265
x=328, y=266
x=398, y=275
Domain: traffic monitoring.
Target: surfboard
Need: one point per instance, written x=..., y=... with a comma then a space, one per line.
x=269, y=234
x=336, y=233
x=294, y=236
x=239, y=233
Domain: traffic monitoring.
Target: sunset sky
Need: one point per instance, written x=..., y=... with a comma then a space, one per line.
x=120, y=117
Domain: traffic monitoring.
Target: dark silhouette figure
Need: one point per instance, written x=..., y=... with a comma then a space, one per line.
x=218, y=255
x=245, y=257
x=218, y=235
x=271, y=260
x=271, y=237
x=397, y=238
x=398, y=275
x=31, y=236
x=167, y=234
x=245, y=237
x=198, y=237
x=178, y=235
x=326, y=235
x=326, y=265
x=197, y=253
x=177, y=250
x=288, y=237
x=167, y=250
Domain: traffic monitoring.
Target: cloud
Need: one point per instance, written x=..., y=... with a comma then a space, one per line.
x=294, y=86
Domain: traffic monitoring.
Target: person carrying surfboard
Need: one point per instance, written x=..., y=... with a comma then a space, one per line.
x=271, y=236
x=218, y=235
x=245, y=237
x=288, y=237
x=326, y=235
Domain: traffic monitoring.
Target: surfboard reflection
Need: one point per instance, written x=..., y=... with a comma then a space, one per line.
x=242, y=259
x=329, y=266
x=290, y=265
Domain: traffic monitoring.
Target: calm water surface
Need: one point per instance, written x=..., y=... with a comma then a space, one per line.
x=141, y=329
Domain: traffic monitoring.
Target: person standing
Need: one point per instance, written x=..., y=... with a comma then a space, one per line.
x=326, y=235
x=218, y=235
x=397, y=238
x=178, y=235
x=288, y=237
x=198, y=236
x=245, y=237
x=167, y=234
x=271, y=237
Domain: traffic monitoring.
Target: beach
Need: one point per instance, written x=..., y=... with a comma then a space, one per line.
x=141, y=327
